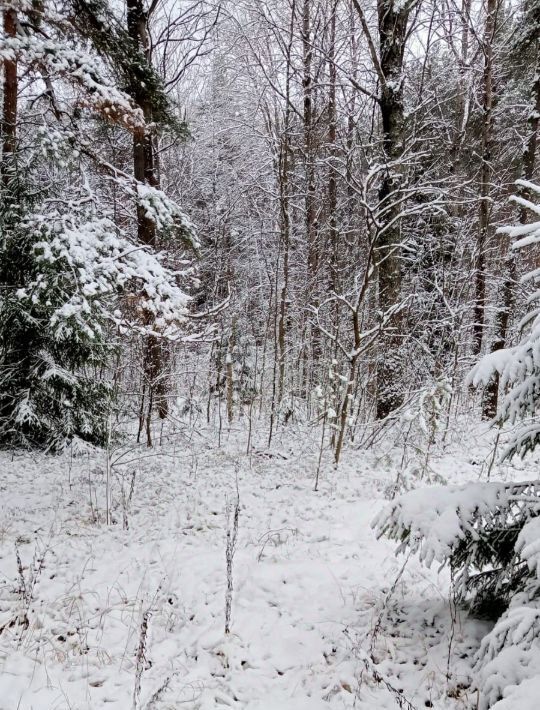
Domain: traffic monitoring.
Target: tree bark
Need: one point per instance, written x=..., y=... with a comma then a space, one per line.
x=9, y=108
x=285, y=236
x=333, y=234
x=485, y=177
x=392, y=18
x=309, y=157
x=491, y=393
x=229, y=371
x=312, y=351
x=145, y=171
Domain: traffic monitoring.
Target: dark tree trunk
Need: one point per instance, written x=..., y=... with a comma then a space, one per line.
x=9, y=108
x=145, y=171
x=491, y=393
x=285, y=236
x=309, y=148
x=392, y=18
x=485, y=177
x=312, y=352
x=333, y=234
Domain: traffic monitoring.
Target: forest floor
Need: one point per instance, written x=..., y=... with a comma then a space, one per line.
x=132, y=615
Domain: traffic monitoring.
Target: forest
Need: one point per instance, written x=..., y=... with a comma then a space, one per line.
x=269, y=354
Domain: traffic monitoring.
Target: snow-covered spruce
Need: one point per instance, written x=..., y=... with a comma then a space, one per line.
x=81, y=276
x=73, y=277
x=490, y=537
x=519, y=367
x=79, y=69
x=88, y=265
x=489, y=533
x=473, y=528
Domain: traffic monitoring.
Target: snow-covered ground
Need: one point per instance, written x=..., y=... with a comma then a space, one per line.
x=132, y=615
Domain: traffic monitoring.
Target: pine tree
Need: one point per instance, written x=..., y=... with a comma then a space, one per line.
x=67, y=270
x=489, y=533
x=49, y=391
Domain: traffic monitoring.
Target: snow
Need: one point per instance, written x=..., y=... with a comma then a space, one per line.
x=510, y=659
x=164, y=212
x=103, y=263
x=318, y=604
x=518, y=366
x=525, y=696
x=433, y=520
x=59, y=60
x=528, y=545
x=491, y=363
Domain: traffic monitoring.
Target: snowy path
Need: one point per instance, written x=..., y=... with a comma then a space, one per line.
x=309, y=582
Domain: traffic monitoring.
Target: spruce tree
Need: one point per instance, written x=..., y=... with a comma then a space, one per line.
x=489, y=533
x=67, y=269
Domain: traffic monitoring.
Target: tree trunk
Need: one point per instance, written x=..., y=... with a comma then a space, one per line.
x=485, y=178
x=309, y=148
x=229, y=371
x=333, y=234
x=491, y=393
x=145, y=171
x=349, y=389
x=283, y=170
x=9, y=108
x=312, y=353
x=285, y=235
x=392, y=18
